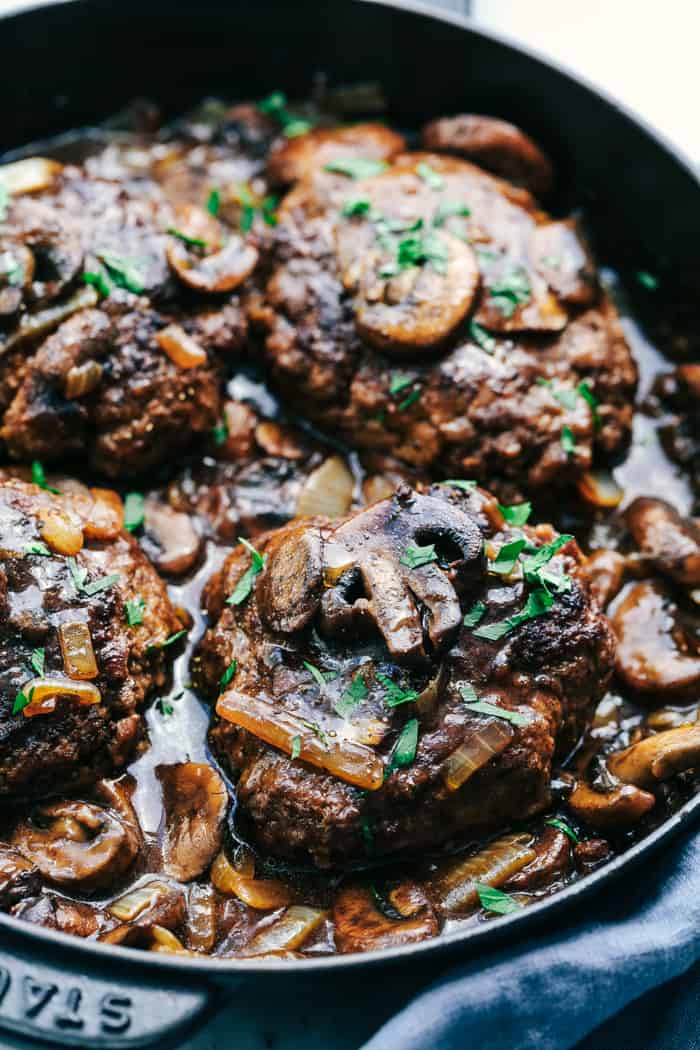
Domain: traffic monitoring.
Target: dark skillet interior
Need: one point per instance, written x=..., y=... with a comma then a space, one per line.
x=642, y=203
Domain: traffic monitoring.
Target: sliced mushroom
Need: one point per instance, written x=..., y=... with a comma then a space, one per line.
x=328, y=490
x=169, y=538
x=494, y=144
x=220, y=272
x=654, y=652
x=605, y=571
x=292, y=159
x=365, y=920
x=617, y=809
x=657, y=757
x=195, y=801
x=19, y=877
x=669, y=540
x=78, y=844
x=289, y=587
x=552, y=863
x=39, y=324
x=29, y=175
x=560, y=255
x=58, y=913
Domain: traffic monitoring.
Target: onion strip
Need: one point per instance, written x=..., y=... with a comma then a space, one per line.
x=480, y=747
x=456, y=884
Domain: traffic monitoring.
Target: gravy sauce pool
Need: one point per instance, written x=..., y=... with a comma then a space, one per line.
x=178, y=722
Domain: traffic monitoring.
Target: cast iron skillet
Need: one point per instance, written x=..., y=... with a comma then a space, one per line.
x=75, y=63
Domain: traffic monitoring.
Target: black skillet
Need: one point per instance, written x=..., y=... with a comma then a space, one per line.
x=75, y=63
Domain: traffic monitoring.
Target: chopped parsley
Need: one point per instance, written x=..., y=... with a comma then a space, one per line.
x=569, y=398
x=134, y=611
x=484, y=707
x=275, y=106
x=482, y=338
x=125, y=273
x=399, y=381
x=355, y=693
x=358, y=206
x=647, y=280
x=475, y=614
x=191, y=242
x=356, y=167
x=227, y=676
x=466, y=485
x=511, y=291
x=98, y=281
x=219, y=433
x=39, y=478
x=507, y=556
x=134, y=511
x=214, y=202
x=417, y=250
x=584, y=391
x=568, y=441
x=37, y=661
x=100, y=585
x=533, y=564
x=245, y=584
x=38, y=548
x=395, y=695
x=165, y=707
x=22, y=700
x=496, y=900
x=316, y=730
x=410, y=400
x=429, y=176
x=561, y=825
x=297, y=127
x=537, y=604
x=405, y=749
x=170, y=640
x=78, y=574
x=517, y=514
x=414, y=557
x=321, y=677
x=296, y=748
x=447, y=209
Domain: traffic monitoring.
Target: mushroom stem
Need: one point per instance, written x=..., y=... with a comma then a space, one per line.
x=657, y=757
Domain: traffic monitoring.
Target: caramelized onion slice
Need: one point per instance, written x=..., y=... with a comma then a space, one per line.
x=181, y=348
x=29, y=175
x=82, y=379
x=106, y=515
x=599, y=488
x=240, y=882
x=135, y=902
x=45, y=691
x=482, y=744
x=201, y=918
x=60, y=531
x=77, y=651
x=456, y=884
x=354, y=763
x=327, y=492
x=289, y=932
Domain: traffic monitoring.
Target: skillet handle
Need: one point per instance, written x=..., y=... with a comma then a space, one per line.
x=66, y=998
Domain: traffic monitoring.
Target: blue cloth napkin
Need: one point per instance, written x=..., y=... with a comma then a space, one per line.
x=553, y=990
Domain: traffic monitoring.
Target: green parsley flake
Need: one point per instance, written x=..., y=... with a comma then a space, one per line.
x=21, y=701
x=321, y=677
x=356, y=167
x=466, y=485
x=165, y=707
x=447, y=210
x=430, y=177
x=134, y=611
x=475, y=614
x=399, y=382
x=357, y=206
x=37, y=548
x=355, y=693
x=245, y=584
x=482, y=338
x=125, y=273
x=296, y=748
x=561, y=825
x=134, y=511
x=227, y=676
x=39, y=478
x=496, y=900
x=214, y=202
x=294, y=128
x=395, y=695
x=405, y=750
x=191, y=242
x=647, y=280
x=517, y=514
x=316, y=730
x=98, y=281
x=273, y=104
x=507, y=556
x=78, y=574
x=537, y=604
x=170, y=640
x=414, y=557
x=219, y=433
x=410, y=400
x=568, y=441
x=100, y=585
x=511, y=291
x=484, y=707
x=584, y=391
x=37, y=661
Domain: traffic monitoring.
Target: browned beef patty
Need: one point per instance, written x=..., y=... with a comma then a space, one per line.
x=361, y=713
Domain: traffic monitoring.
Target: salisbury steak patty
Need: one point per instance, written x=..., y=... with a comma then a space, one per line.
x=117, y=320
x=434, y=312
x=400, y=676
x=83, y=620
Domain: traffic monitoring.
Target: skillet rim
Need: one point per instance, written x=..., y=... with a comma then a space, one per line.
x=494, y=932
